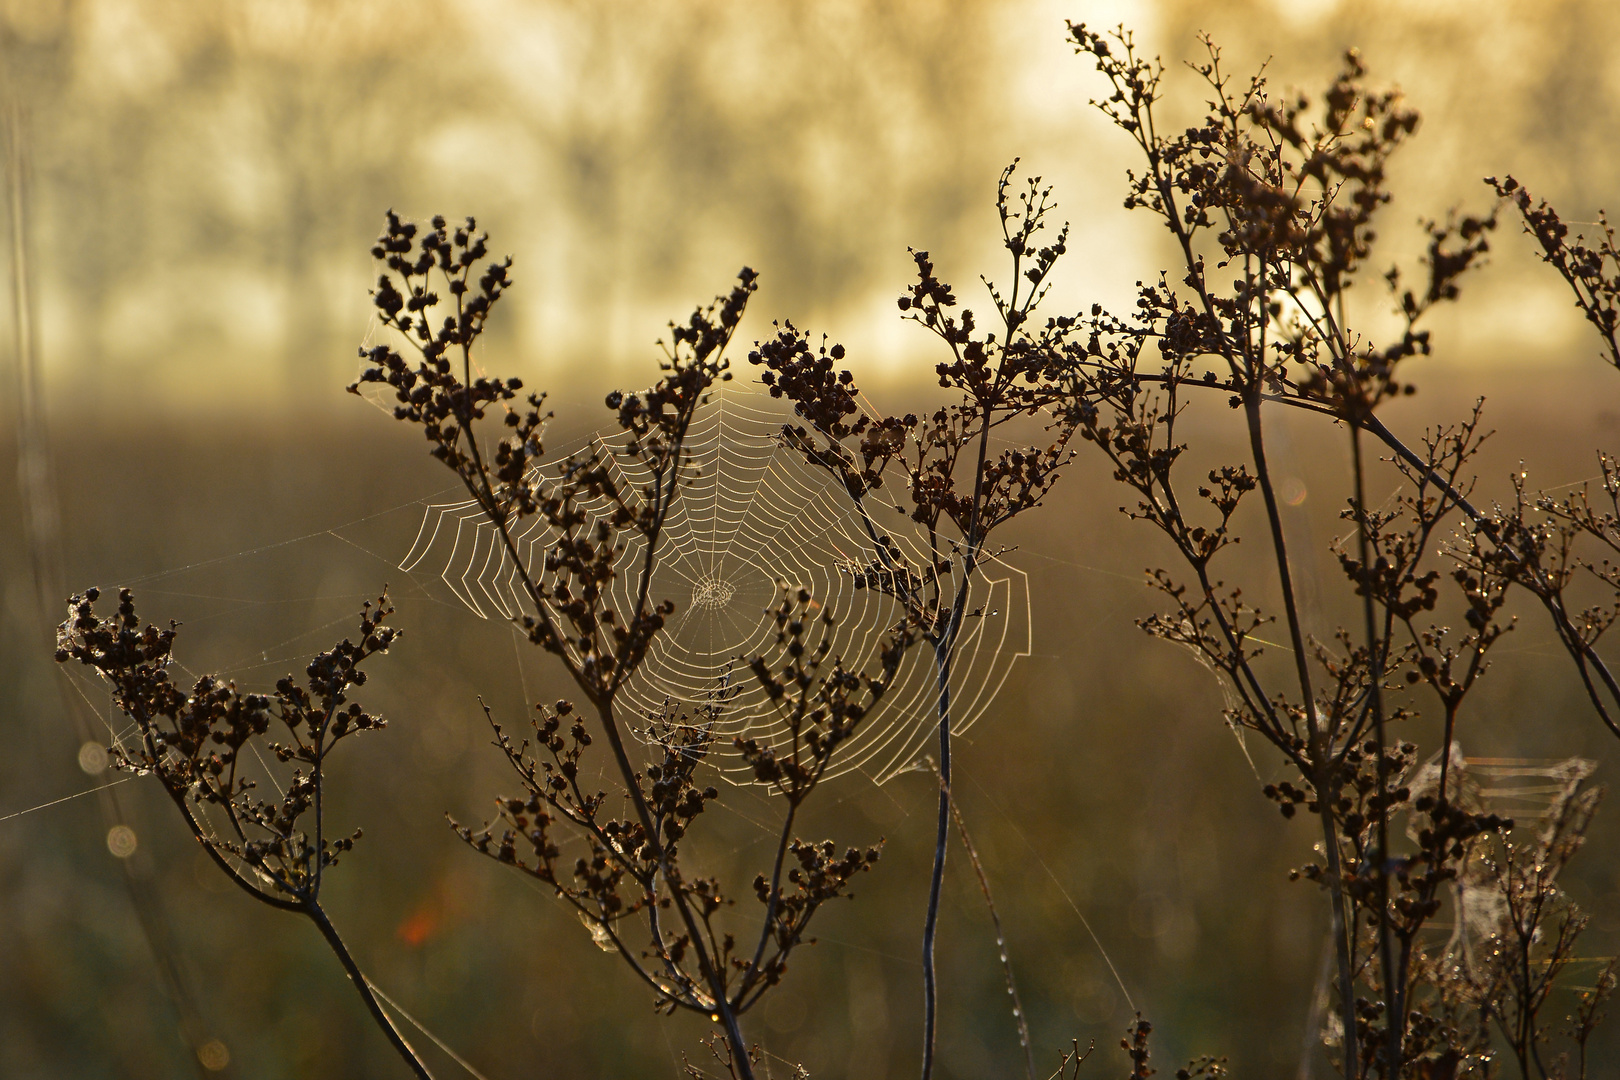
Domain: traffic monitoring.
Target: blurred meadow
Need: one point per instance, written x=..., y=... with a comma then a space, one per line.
x=192, y=190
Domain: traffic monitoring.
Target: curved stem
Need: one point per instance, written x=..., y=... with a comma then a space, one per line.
x=942, y=666
x=1321, y=742
x=944, y=650
x=220, y=861
x=1146, y=136
x=1581, y=652
x=602, y=697
x=706, y=966
x=770, y=908
x=318, y=916
x=1393, y=991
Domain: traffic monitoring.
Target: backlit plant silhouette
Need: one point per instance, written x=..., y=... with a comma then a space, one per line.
x=942, y=464
x=633, y=874
x=192, y=743
x=1272, y=209
x=1450, y=929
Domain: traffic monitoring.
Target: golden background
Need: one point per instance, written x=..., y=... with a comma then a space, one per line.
x=200, y=184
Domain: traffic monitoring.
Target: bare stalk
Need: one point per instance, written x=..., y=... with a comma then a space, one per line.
x=318, y=916
x=1321, y=749
x=1393, y=979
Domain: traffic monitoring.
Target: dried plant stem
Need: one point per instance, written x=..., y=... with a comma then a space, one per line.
x=1247, y=371
x=317, y=915
x=944, y=655
x=942, y=667
x=723, y=1008
x=995, y=920
x=599, y=647
x=1394, y=981
x=1589, y=664
x=1587, y=661
x=1321, y=751
x=936, y=880
x=1016, y=372
x=466, y=1065
x=782, y=844
x=310, y=908
x=711, y=974
x=271, y=857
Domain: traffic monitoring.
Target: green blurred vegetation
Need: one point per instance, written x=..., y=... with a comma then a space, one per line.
x=206, y=180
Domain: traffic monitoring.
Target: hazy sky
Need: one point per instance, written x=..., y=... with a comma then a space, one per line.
x=207, y=177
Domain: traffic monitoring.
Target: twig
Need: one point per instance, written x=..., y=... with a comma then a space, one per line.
x=995, y=919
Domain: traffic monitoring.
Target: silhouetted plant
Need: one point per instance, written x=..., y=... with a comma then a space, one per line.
x=1282, y=206
x=1537, y=539
x=959, y=491
x=192, y=743
x=1271, y=206
x=634, y=869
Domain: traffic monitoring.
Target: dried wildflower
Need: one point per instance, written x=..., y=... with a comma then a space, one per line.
x=192, y=742
x=1281, y=202
x=959, y=491
x=631, y=871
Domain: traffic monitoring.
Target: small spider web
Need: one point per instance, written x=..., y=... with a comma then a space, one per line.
x=754, y=517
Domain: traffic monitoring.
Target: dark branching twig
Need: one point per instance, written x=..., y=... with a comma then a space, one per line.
x=1271, y=204
x=1280, y=202
x=959, y=491
x=631, y=872
x=275, y=850
x=1019, y=1017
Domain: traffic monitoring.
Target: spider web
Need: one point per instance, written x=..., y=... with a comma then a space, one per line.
x=754, y=517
